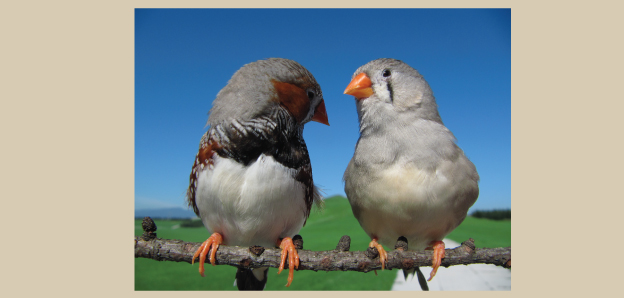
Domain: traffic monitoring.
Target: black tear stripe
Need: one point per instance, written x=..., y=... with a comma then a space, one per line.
x=391, y=92
x=276, y=135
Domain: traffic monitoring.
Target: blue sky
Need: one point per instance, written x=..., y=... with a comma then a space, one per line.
x=183, y=57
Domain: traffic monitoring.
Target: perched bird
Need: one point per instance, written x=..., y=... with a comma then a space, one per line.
x=251, y=183
x=407, y=176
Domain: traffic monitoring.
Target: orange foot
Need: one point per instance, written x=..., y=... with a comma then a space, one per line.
x=383, y=255
x=288, y=248
x=438, y=255
x=211, y=244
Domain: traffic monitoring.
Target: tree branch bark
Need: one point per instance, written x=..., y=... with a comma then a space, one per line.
x=339, y=259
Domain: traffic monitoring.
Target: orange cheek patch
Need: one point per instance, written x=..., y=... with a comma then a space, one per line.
x=293, y=98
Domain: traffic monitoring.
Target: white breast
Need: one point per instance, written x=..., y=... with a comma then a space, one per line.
x=407, y=201
x=253, y=205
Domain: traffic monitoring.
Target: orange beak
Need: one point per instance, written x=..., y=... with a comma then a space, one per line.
x=360, y=87
x=320, y=114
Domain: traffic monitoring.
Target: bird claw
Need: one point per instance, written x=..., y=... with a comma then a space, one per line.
x=211, y=244
x=288, y=249
x=438, y=255
x=383, y=255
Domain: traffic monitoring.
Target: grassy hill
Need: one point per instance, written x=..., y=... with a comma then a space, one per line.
x=322, y=232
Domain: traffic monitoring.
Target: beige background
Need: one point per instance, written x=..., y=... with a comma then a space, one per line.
x=67, y=123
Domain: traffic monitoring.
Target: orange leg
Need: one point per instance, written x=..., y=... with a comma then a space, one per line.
x=383, y=255
x=211, y=244
x=438, y=255
x=288, y=248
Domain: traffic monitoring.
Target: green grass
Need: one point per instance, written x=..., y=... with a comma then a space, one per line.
x=485, y=232
x=322, y=232
x=161, y=275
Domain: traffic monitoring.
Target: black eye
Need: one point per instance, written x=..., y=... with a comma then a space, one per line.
x=386, y=73
x=310, y=94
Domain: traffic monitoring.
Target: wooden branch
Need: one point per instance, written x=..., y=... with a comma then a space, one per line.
x=339, y=259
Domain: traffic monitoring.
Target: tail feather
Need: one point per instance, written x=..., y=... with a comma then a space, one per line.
x=407, y=272
x=251, y=279
x=421, y=278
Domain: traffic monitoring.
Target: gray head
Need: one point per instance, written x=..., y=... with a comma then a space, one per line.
x=390, y=89
x=259, y=87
